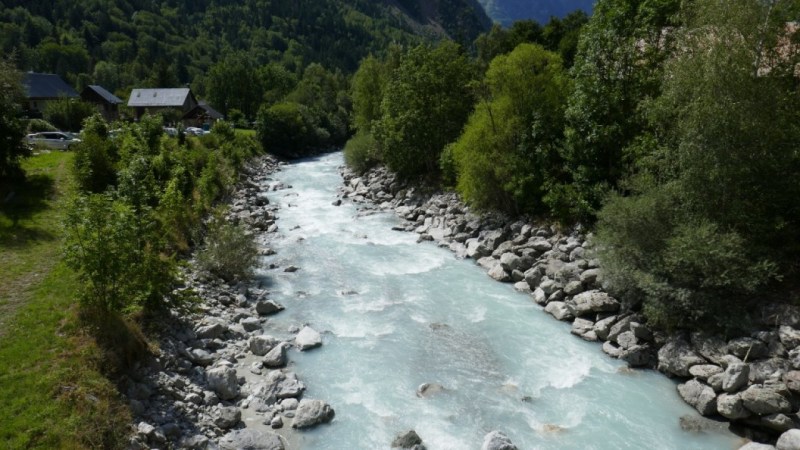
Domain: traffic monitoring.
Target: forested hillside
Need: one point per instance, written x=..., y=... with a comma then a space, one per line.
x=124, y=43
x=508, y=11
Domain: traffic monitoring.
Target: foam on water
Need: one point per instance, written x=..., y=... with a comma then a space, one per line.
x=396, y=314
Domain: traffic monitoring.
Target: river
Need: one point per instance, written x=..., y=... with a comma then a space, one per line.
x=396, y=314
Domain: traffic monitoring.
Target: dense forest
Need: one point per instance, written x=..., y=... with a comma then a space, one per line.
x=670, y=128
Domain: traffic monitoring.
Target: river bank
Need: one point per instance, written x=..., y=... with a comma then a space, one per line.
x=751, y=381
x=219, y=379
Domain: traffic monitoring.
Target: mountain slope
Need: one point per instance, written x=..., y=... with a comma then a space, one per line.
x=507, y=11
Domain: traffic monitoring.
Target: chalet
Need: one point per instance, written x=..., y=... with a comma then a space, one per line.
x=41, y=88
x=106, y=102
x=201, y=116
x=157, y=100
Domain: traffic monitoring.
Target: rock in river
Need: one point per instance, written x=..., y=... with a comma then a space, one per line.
x=310, y=413
x=307, y=338
x=497, y=440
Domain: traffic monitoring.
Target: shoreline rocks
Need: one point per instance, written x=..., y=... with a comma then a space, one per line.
x=752, y=381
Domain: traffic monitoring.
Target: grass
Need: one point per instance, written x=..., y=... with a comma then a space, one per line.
x=53, y=391
x=244, y=132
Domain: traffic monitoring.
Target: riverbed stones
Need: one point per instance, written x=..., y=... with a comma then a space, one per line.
x=261, y=345
x=756, y=446
x=747, y=348
x=497, y=440
x=250, y=439
x=584, y=328
x=311, y=413
x=764, y=400
x=677, y=356
x=559, y=310
x=704, y=371
x=700, y=396
x=307, y=339
x=428, y=389
x=268, y=307
x=499, y=273
x=276, y=357
x=790, y=440
x=223, y=381
x=735, y=377
x=227, y=417
x=408, y=440
x=731, y=406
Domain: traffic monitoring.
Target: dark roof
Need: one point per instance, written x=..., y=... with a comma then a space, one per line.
x=107, y=96
x=163, y=98
x=46, y=85
x=203, y=109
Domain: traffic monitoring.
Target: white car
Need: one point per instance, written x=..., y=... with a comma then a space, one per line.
x=52, y=139
x=194, y=131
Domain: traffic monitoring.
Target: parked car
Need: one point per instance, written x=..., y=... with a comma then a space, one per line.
x=194, y=131
x=52, y=139
x=171, y=132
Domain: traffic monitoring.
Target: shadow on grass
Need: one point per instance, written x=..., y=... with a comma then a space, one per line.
x=20, y=202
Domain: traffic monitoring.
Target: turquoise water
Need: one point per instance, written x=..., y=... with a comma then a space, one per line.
x=395, y=314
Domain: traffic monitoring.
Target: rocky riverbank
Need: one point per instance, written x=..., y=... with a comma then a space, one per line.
x=219, y=378
x=751, y=381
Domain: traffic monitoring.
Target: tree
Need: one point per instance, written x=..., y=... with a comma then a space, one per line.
x=68, y=114
x=426, y=104
x=234, y=83
x=12, y=130
x=714, y=214
x=508, y=152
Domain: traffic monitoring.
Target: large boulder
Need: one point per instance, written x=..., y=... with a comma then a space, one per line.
x=677, y=356
x=637, y=355
x=756, y=446
x=594, y=302
x=559, y=310
x=307, y=338
x=408, y=439
x=731, y=406
x=227, y=417
x=710, y=347
x=277, y=356
x=584, y=328
x=747, y=348
x=700, y=396
x=222, y=380
x=498, y=273
x=494, y=238
x=268, y=307
x=311, y=413
x=497, y=440
x=735, y=377
x=261, y=345
x=250, y=439
x=510, y=261
x=763, y=400
x=789, y=440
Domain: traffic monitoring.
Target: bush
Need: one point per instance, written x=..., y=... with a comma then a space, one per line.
x=93, y=164
x=40, y=125
x=68, y=114
x=360, y=152
x=285, y=128
x=229, y=252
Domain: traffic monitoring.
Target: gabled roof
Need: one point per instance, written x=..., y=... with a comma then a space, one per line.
x=203, y=109
x=159, y=98
x=46, y=85
x=107, y=96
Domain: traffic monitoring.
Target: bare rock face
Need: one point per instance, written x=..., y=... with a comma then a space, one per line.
x=311, y=413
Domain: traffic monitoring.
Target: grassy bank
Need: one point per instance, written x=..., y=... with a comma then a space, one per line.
x=53, y=393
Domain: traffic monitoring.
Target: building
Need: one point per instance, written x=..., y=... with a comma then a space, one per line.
x=161, y=100
x=41, y=88
x=201, y=116
x=106, y=102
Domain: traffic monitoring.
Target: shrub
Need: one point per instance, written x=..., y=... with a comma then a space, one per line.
x=285, y=128
x=224, y=130
x=229, y=251
x=40, y=125
x=93, y=164
x=360, y=152
x=68, y=114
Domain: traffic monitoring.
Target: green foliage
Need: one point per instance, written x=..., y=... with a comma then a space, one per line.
x=360, y=153
x=68, y=114
x=234, y=83
x=237, y=118
x=12, y=129
x=285, y=129
x=229, y=252
x=40, y=125
x=224, y=130
x=509, y=150
x=110, y=245
x=94, y=168
x=426, y=104
x=368, y=86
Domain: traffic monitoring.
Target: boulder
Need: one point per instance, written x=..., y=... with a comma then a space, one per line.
x=591, y=277
x=534, y=275
x=710, y=347
x=767, y=370
x=307, y=338
x=676, y=357
x=777, y=422
x=212, y=331
x=573, y=288
x=763, y=400
x=584, y=328
x=250, y=324
x=277, y=356
x=510, y=261
x=735, y=377
x=499, y=273
x=603, y=327
x=261, y=345
x=756, y=446
x=311, y=413
x=594, y=302
x=610, y=349
x=704, y=371
x=222, y=380
x=627, y=339
x=541, y=298
x=428, y=389
x=250, y=439
x=268, y=307
x=701, y=397
x=637, y=355
x=494, y=238
x=731, y=406
x=789, y=440
x=559, y=310
x=794, y=358
x=641, y=331
x=620, y=326
x=227, y=417
x=497, y=440
x=408, y=439
x=747, y=348
x=792, y=380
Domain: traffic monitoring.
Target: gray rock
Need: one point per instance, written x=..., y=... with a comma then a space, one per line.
x=747, y=348
x=510, y=261
x=715, y=381
x=594, y=302
x=196, y=442
x=701, y=397
x=794, y=358
x=789, y=440
x=591, y=277
x=261, y=345
x=573, y=288
x=637, y=355
x=699, y=424
x=559, y=310
x=549, y=286
x=521, y=286
x=735, y=377
x=620, y=326
x=250, y=324
x=541, y=298
x=407, y=439
x=311, y=413
x=768, y=370
x=227, y=417
x=534, y=275
x=704, y=371
x=641, y=331
x=731, y=406
x=584, y=328
x=277, y=356
x=777, y=422
x=541, y=245
x=276, y=422
x=291, y=269
x=627, y=340
x=212, y=331
x=756, y=446
x=307, y=338
x=499, y=273
x=222, y=380
x=497, y=440
x=268, y=307
x=792, y=380
x=250, y=439
x=603, y=327
x=428, y=389
x=610, y=349
x=763, y=400
x=201, y=357
x=676, y=357
x=709, y=347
